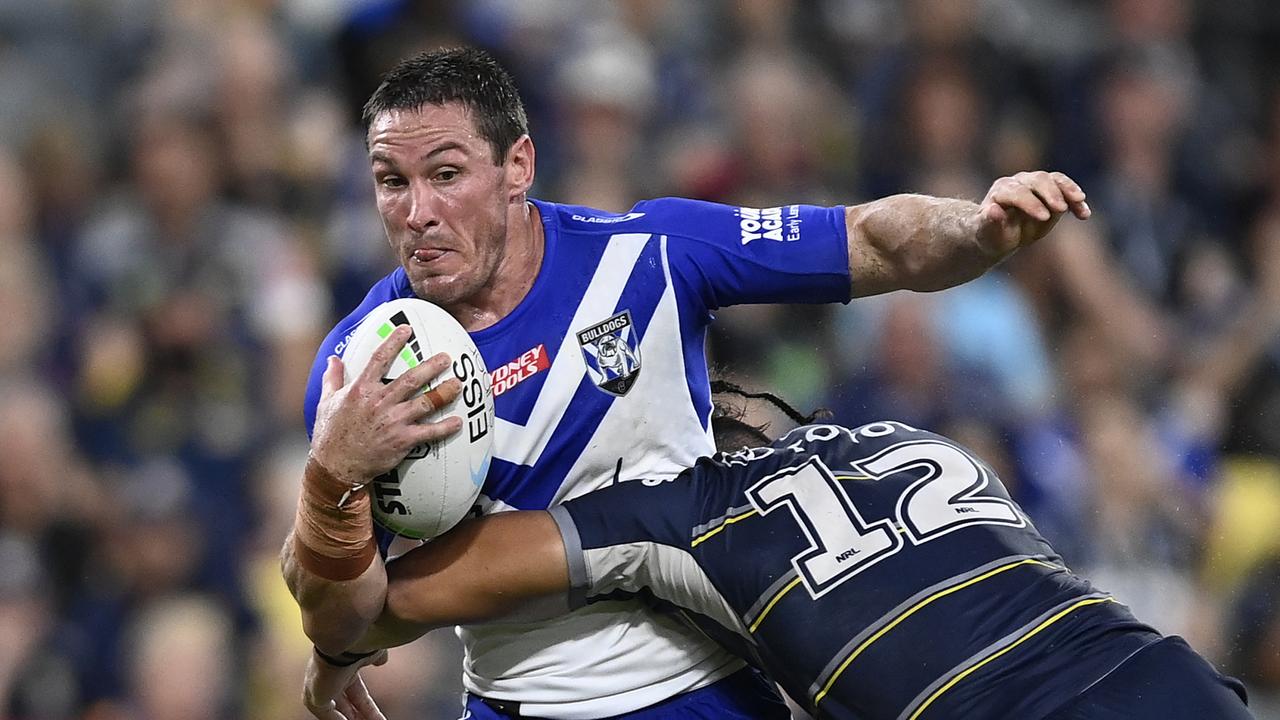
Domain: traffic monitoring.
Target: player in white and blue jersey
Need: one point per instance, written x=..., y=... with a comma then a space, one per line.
x=613, y=337
x=876, y=572
x=593, y=325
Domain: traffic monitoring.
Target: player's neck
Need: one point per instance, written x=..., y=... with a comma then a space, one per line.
x=515, y=274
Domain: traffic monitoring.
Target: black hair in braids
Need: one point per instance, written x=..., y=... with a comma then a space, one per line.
x=724, y=387
x=731, y=430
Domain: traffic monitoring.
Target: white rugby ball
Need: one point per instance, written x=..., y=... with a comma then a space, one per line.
x=437, y=483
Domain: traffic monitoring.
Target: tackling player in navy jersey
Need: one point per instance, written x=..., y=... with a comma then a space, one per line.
x=876, y=572
x=596, y=324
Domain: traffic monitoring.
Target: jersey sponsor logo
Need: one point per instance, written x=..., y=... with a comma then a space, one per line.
x=607, y=219
x=611, y=350
x=776, y=223
x=530, y=363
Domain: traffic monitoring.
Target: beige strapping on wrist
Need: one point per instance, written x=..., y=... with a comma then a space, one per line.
x=335, y=543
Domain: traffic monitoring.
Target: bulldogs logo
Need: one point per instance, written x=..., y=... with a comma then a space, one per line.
x=611, y=350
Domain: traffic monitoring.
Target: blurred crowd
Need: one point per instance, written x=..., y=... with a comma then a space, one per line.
x=185, y=208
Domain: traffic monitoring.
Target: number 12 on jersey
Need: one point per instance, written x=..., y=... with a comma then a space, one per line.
x=842, y=543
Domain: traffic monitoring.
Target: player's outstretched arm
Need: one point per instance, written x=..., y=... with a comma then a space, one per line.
x=499, y=567
x=363, y=428
x=916, y=242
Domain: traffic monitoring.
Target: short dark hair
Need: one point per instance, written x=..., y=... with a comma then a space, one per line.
x=465, y=75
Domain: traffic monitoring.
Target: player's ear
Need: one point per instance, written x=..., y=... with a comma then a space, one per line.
x=520, y=168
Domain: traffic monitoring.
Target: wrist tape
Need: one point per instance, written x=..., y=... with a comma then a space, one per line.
x=335, y=543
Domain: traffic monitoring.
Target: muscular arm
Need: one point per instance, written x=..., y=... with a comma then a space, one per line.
x=363, y=428
x=483, y=570
x=916, y=242
x=335, y=614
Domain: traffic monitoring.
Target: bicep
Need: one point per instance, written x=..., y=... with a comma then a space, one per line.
x=483, y=570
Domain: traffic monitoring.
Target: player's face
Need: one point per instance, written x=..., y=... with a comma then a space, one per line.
x=442, y=199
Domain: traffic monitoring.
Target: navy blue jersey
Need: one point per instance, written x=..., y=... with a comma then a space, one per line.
x=599, y=372
x=879, y=572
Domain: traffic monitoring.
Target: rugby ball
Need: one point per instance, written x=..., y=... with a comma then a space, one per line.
x=437, y=483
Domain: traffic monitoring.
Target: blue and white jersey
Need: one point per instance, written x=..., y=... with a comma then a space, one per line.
x=600, y=373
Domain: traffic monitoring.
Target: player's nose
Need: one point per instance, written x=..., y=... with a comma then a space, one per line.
x=423, y=213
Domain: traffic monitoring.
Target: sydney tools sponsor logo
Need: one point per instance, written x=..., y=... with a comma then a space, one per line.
x=530, y=363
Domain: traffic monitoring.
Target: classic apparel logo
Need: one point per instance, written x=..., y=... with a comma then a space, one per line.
x=611, y=350
x=607, y=219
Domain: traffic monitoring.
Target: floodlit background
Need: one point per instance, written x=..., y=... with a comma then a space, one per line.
x=185, y=209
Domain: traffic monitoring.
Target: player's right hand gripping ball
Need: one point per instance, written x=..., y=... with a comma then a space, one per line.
x=435, y=486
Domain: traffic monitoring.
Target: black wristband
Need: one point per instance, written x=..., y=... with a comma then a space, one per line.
x=346, y=659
